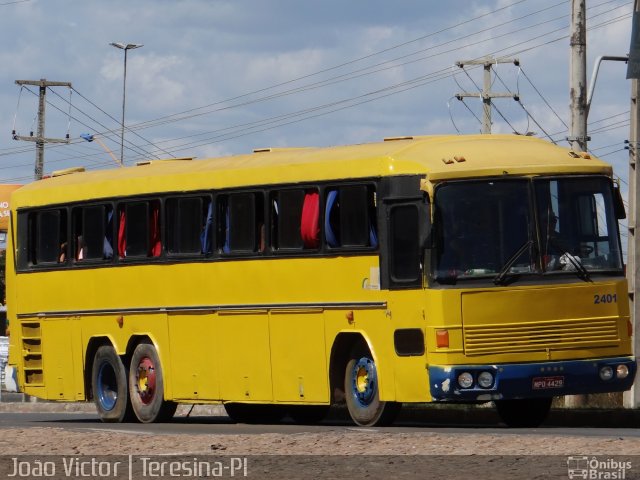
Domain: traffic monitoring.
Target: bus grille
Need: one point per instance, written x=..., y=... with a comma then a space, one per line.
x=540, y=336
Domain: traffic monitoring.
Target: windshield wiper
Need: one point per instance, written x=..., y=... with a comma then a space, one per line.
x=580, y=269
x=502, y=274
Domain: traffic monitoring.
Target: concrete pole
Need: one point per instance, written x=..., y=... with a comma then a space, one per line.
x=40, y=139
x=578, y=106
x=578, y=77
x=486, y=99
x=40, y=133
x=486, y=94
x=632, y=397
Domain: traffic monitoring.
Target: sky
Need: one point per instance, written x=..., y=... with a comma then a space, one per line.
x=224, y=77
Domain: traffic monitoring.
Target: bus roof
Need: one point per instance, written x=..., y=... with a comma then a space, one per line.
x=436, y=157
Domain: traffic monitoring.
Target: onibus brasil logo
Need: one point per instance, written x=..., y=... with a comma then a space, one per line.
x=597, y=469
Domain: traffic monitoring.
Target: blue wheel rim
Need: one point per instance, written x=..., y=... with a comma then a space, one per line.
x=107, y=386
x=364, y=381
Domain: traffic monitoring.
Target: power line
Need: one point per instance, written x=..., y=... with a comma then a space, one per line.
x=420, y=81
x=13, y=3
x=126, y=127
x=344, y=64
x=334, y=106
x=350, y=76
x=543, y=98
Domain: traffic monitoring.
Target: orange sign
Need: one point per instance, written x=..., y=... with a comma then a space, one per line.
x=5, y=195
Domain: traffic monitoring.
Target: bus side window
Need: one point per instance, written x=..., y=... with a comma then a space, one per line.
x=122, y=227
x=185, y=225
x=133, y=231
x=50, y=237
x=243, y=229
x=404, y=240
x=139, y=229
x=155, y=243
x=331, y=219
x=107, y=244
x=90, y=226
x=286, y=214
x=206, y=246
x=309, y=226
x=350, y=219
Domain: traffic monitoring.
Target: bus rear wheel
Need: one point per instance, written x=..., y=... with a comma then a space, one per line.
x=523, y=413
x=109, y=386
x=146, y=385
x=362, y=394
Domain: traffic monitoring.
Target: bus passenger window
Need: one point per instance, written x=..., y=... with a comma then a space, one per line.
x=242, y=229
x=51, y=237
x=286, y=211
x=309, y=226
x=90, y=233
x=107, y=244
x=350, y=219
x=155, y=245
x=185, y=224
x=332, y=219
x=133, y=230
x=205, y=235
x=139, y=229
x=354, y=216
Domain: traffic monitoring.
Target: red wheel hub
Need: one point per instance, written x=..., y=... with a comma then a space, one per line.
x=146, y=376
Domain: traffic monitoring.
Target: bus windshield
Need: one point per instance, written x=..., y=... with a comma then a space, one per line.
x=499, y=227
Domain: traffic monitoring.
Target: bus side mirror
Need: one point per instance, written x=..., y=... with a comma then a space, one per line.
x=618, y=203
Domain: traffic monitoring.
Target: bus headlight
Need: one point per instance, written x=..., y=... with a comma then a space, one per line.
x=606, y=373
x=622, y=371
x=465, y=380
x=485, y=379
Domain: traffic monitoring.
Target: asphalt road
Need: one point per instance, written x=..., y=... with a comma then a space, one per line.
x=582, y=428
x=606, y=427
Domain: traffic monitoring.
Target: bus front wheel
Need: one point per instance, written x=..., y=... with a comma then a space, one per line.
x=109, y=386
x=527, y=412
x=362, y=394
x=146, y=385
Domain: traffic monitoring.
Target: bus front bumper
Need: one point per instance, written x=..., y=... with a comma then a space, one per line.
x=527, y=380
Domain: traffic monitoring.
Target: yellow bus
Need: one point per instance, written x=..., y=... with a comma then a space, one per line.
x=417, y=269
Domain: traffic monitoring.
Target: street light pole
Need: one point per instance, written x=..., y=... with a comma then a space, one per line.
x=125, y=47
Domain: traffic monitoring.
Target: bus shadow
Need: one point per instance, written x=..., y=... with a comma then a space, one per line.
x=415, y=417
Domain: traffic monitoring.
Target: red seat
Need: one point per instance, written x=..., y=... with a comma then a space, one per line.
x=309, y=223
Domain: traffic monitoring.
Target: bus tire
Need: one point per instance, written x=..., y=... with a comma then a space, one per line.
x=307, y=414
x=255, y=413
x=362, y=393
x=146, y=384
x=109, y=386
x=523, y=413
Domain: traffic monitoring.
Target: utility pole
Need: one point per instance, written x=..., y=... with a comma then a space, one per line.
x=578, y=106
x=40, y=139
x=578, y=77
x=632, y=397
x=486, y=94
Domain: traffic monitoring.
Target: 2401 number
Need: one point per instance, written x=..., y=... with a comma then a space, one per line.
x=605, y=298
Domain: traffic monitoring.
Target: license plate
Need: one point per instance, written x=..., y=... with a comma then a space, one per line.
x=542, y=383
